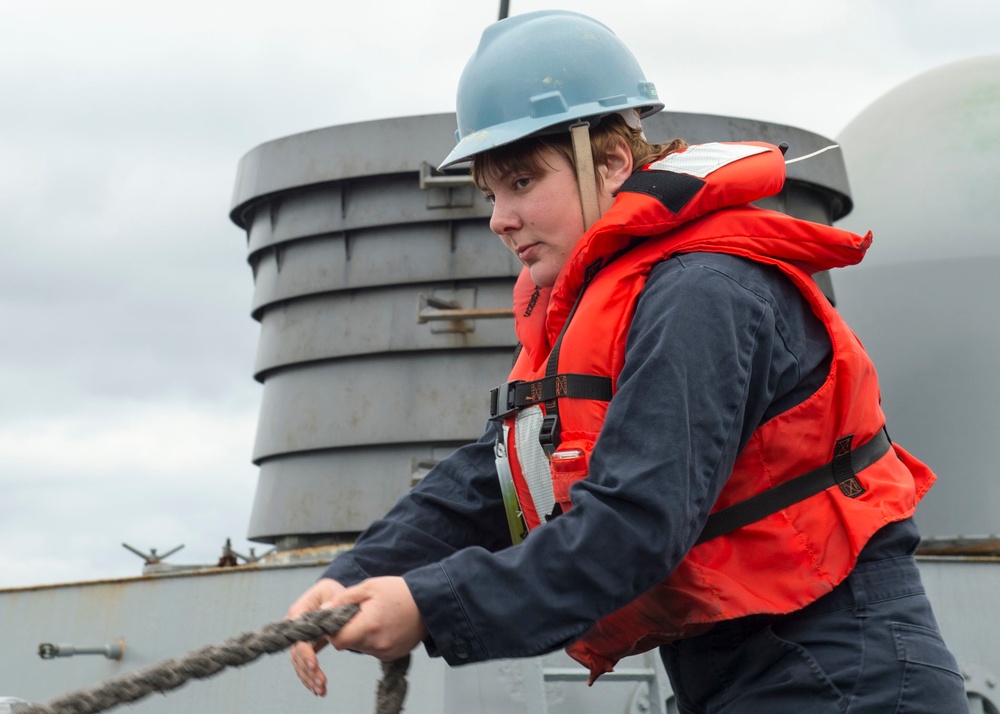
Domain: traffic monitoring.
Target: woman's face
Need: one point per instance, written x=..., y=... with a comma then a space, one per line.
x=538, y=215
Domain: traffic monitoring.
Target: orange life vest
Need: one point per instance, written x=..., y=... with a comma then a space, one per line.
x=785, y=560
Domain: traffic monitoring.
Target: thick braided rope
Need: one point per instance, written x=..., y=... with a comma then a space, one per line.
x=234, y=652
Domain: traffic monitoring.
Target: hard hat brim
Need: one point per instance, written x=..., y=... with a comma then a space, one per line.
x=486, y=139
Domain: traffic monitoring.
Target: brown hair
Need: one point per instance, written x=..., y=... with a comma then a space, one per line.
x=524, y=156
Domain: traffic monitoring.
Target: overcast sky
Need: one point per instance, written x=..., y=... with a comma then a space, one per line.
x=127, y=405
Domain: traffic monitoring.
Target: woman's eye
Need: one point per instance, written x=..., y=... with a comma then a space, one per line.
x=522, y=182
x=490, y=199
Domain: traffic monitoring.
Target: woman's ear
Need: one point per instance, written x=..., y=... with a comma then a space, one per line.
x=616, y=167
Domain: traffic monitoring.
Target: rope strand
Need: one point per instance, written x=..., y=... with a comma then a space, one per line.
x=234, y=652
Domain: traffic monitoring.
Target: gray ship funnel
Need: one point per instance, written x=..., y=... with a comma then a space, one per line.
x=374, y=276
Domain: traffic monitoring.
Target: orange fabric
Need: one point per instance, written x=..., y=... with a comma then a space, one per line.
x=791, y=558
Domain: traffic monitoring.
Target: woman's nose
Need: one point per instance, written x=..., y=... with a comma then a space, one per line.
x=504, y=219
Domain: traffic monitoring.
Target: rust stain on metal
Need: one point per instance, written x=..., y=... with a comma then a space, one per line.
x=959, y=545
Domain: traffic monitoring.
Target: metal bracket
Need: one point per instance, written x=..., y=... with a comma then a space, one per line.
x=432, y=178
x=982, y=688
x=438, y=309
x=446, y=190
x=112, y=650
x=152, y=557
x=652, y=693
x=230, y=557
x=420, y=468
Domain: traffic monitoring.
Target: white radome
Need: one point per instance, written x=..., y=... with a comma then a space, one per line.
x=923, y=162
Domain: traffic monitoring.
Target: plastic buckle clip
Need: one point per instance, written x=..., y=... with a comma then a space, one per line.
x=503, y=399
x=549, y=433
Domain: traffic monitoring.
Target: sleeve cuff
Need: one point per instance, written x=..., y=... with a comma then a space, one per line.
x=451, y=635
x=345, y=571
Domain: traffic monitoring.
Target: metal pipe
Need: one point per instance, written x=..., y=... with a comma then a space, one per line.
x=431, y=314
x=112, y=650
x=434, y=309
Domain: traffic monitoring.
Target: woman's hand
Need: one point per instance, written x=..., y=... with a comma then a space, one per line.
x=387, y=626
x=303, y=654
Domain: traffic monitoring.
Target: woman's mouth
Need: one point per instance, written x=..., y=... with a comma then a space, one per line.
x=527, y=252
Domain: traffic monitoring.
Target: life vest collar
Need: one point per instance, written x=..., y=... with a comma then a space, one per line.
x=679, y=189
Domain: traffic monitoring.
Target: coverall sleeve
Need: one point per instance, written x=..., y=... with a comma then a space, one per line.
x=456, y=505
x=704, y=361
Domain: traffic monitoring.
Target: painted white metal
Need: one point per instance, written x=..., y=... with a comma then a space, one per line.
x=923, y=164
x=166, y=616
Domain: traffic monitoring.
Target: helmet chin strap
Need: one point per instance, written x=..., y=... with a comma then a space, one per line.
x=583, y=158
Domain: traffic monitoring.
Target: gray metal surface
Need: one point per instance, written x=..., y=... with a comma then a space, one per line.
x=346, y=246
x=349, y=151
x=397, y=255
x=167, y=616
x=348, y=495
x=349, y=235
x=963, y=594
x=924, y=161
x=350, y=323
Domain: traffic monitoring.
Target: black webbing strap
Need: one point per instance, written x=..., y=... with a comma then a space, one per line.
x=549, y=436
x=841, y=471
x=517, y=395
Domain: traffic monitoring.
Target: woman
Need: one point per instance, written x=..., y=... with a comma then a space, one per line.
x=677, y=364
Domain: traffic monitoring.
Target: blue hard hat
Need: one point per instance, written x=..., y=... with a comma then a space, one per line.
x=540, y=72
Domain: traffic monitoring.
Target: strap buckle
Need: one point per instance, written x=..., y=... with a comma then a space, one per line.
x=503, y=399
x=548, y=435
